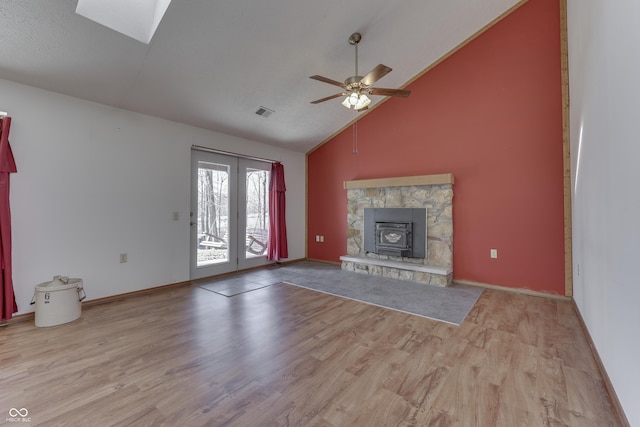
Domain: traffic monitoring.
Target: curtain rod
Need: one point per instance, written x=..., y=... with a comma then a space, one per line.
x=229, y=153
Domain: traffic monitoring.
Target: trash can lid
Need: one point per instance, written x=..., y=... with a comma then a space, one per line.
x=57, y=285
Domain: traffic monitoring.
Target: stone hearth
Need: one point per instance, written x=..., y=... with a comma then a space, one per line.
x=433, y=192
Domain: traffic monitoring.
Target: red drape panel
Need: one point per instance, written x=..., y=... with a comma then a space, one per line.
x=277, y=246
x=7, y=166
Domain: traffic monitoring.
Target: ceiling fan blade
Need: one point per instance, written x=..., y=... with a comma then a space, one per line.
x=327, y=80
x=374, y=75
x=328, y=98
x=389, y=92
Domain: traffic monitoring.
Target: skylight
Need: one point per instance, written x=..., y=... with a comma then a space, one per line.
x=137, y=19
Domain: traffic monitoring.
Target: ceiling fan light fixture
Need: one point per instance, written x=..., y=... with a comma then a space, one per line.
x=351, y=100
x=363, y=101
x=357, y=101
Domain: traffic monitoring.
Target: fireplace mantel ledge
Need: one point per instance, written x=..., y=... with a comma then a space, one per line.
x=440, y=271
x=402, y=181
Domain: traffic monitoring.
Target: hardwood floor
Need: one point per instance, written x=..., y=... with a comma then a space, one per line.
x=283, y=355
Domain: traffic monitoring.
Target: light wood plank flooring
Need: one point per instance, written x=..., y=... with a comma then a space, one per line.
x=284, y=355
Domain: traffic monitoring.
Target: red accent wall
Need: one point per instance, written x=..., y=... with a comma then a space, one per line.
x=490, y=114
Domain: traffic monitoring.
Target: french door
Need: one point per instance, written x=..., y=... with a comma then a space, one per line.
x=229, y=213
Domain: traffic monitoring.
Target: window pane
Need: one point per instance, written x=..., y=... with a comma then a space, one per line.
x=257, y=212
x=213, y=213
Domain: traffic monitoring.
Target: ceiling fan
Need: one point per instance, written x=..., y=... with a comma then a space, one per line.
x=356, y=88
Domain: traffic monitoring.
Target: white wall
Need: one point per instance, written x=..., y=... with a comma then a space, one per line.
x=95, y=181
x=604, y=66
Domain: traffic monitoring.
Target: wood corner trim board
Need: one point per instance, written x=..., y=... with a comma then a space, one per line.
x=402, y=181
x=566, y=151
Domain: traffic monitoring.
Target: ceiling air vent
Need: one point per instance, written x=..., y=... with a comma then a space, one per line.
x=264, y=111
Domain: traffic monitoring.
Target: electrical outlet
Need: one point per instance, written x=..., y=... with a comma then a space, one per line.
x=494, y=253
x=176, y=216
x=321, y=239
x=123, y=258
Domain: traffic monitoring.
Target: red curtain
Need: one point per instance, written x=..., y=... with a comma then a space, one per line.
x=277, y=246
x=7, y=166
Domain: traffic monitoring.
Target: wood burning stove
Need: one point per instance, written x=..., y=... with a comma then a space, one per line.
x=396, y=232
x=394, y=238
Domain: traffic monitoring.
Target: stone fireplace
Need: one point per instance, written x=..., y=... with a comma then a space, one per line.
x=384, y=218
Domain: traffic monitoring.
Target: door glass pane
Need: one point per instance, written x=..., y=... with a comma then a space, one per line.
x=257, y=209
x=213, y=214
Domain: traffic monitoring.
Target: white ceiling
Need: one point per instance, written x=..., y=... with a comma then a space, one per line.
x=213, y=63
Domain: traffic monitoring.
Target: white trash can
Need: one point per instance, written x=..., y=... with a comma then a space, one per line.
x=58, y=301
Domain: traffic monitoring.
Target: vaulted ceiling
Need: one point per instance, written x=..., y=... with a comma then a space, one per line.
x=213, y=63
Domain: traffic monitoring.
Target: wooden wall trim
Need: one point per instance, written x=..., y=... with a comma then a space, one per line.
x=119, y=297
x=324, y=261
x=615, y=402
x=512, y=290
x=306, y=206
x=402, y=181
x=566, y=151
x=25, y=317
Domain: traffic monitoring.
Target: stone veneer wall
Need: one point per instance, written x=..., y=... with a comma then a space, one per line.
x=438, y=199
